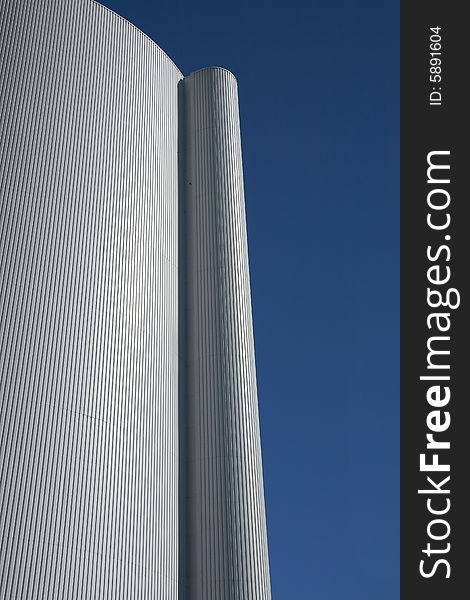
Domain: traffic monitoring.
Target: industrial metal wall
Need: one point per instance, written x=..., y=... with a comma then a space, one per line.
x=88, y=306
x=226, y=555
x=102, y=148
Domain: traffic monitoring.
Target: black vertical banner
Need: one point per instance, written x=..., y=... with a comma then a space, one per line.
x=435, y=302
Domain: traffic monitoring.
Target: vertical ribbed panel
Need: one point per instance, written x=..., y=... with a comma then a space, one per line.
x=227, y=555
x=88, y=306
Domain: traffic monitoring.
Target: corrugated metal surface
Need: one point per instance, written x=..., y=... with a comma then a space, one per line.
x=88, y=306
x=89, y=366
x=226, y=530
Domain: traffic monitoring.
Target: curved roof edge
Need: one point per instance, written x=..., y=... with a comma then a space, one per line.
x=213, y=69
x=114, y=13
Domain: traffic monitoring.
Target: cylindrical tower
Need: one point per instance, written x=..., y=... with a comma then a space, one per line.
x=119, y=181
x=226, y=556
x=88, y=306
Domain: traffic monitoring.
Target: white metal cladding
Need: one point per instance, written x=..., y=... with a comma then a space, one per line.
x=226, y=531
x=88, y=306
x=89, y=310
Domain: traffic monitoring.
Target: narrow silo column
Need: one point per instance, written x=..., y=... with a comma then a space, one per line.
x=226, y=555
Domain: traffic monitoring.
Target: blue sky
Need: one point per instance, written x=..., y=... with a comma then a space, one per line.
x=319, y=104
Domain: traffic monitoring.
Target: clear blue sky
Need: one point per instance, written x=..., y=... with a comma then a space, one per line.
x=319, y=104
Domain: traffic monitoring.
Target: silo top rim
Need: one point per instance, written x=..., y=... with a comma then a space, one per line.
x=212, y=69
